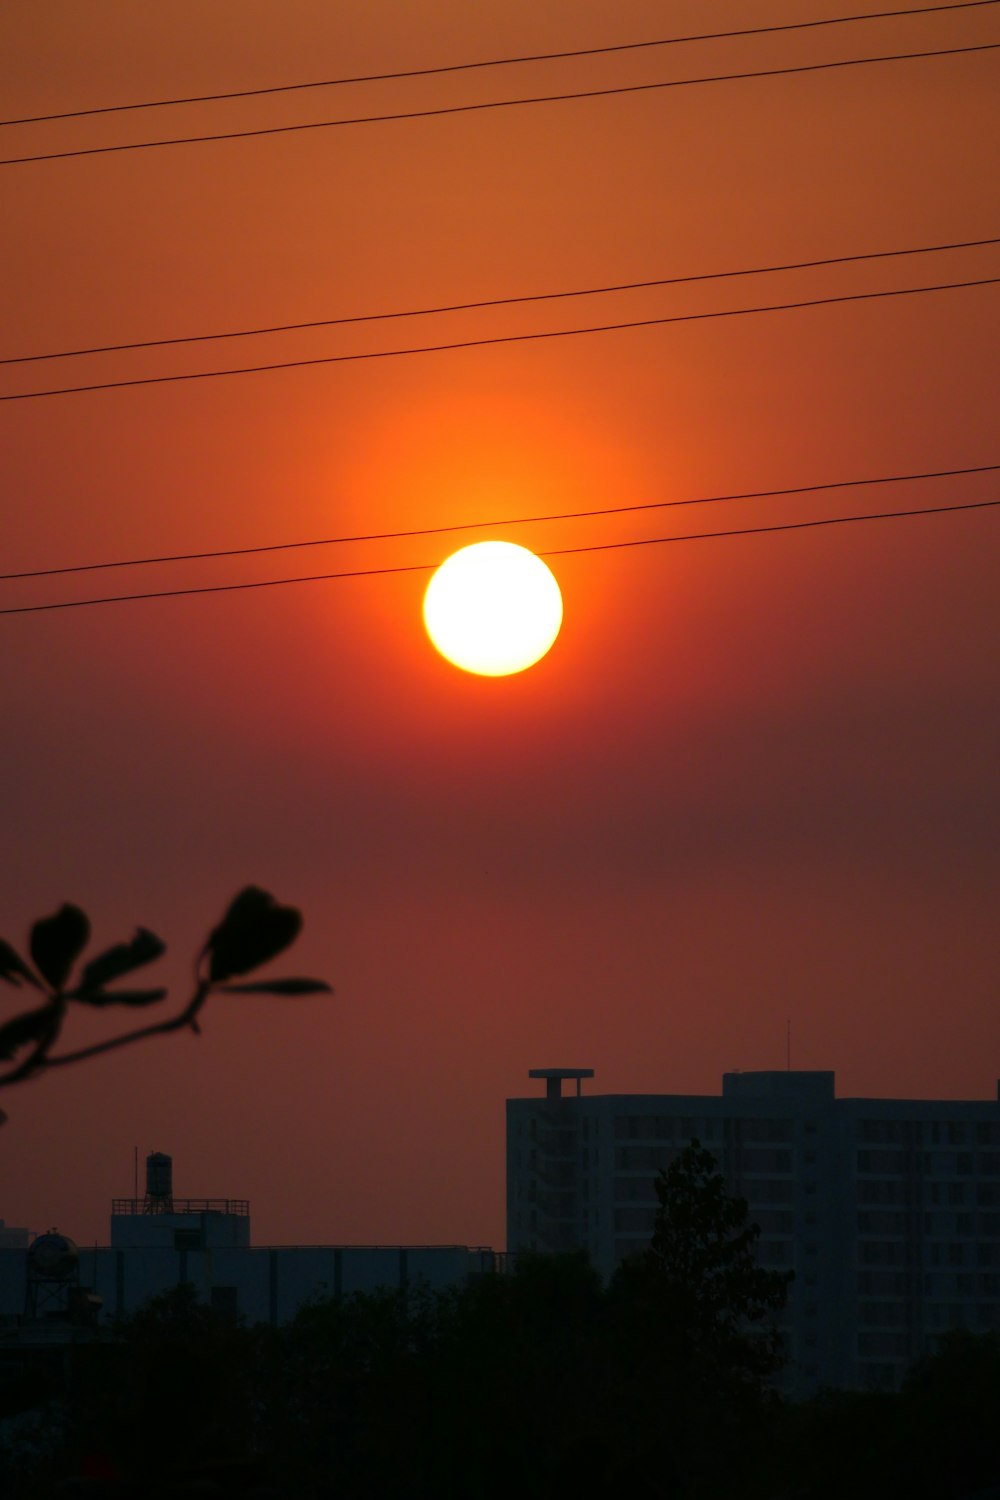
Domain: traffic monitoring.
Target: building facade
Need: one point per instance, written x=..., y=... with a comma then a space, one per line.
x=887, y=1210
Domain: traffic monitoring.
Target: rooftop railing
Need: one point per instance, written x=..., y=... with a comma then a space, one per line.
x=238, y=1206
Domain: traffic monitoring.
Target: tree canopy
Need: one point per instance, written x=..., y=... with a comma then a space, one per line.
x=700, y=1277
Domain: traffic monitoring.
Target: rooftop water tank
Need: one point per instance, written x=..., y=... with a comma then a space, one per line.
x=159, y=1175
x=52, y=1257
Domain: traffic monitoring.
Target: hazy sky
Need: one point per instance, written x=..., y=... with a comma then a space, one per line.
x=756, y=778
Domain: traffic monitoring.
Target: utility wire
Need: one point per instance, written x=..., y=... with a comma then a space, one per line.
x=700, y=536
x=507, y=338
x=571, y=515
x=706, y=536
x=463, y=109
x=494, y=62
x=424, y=312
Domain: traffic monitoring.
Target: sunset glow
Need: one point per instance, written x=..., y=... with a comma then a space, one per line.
x=754, y=779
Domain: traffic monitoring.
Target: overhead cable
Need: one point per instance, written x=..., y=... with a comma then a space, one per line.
x=452, y=307
x=463, y=109
x=701, y=536
x=497, y=521
x=506, y=338
x=495, y=62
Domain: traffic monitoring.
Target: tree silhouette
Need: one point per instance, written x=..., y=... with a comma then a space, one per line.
x=702, y=1263
x=692, y=1320
x=253, y=930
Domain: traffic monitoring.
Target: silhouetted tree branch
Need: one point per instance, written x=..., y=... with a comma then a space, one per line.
x=253, y=930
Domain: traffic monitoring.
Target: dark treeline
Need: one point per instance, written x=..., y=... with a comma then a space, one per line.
x=537, y=1383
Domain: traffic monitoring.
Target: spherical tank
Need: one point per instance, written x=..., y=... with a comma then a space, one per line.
x=52, y=1257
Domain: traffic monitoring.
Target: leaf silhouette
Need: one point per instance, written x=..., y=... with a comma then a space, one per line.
x=143, y=948
x=28, y=1027
x=279, y=987
x=13, y=967
x=253, y=930
x=100, y=998
x=57, y=941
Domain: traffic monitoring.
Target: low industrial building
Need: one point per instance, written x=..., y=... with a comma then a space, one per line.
x=159, y=1242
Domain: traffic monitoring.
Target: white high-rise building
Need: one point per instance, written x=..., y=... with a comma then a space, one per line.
x=887, y=1210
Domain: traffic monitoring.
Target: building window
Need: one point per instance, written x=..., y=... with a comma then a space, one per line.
x=773, y=1220
x=773, y=1190
x=873, y=1191
x=884, y=1132
x=774, y=1253
x=766, y=1130
x=881, y=1221
x=634, y=1220
x=882, y=1252
x=882, y=1162
x=642, y=1158
x=762, y=1159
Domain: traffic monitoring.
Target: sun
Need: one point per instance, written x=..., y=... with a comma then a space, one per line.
x=493, y=608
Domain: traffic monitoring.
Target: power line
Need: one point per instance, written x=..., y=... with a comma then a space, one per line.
x=494, y=62
x=423, y=312
x=507, y=338
x=700, y=536
x=572, y=515
x=704, y=536
x=462, y=109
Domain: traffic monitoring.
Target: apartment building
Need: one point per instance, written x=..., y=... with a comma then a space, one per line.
x=887, y=1210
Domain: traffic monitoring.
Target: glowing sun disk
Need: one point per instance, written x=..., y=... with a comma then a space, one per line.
x=493, y=608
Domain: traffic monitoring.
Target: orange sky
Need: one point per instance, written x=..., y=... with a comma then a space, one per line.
x=754, y=780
